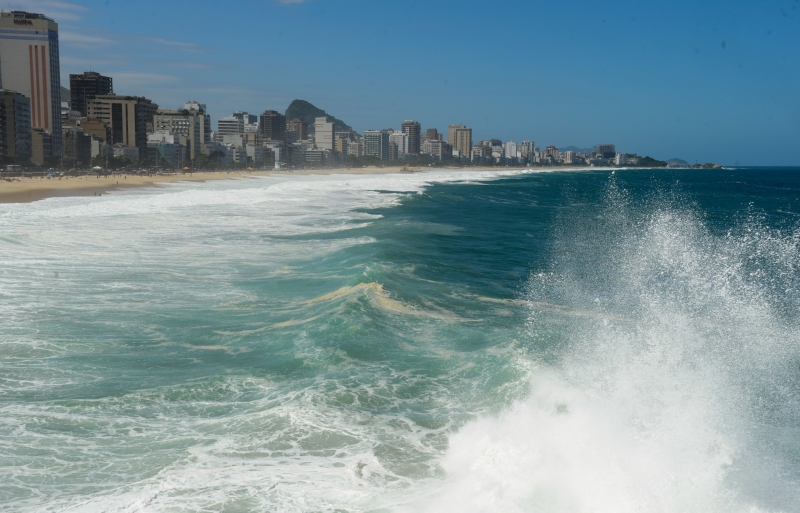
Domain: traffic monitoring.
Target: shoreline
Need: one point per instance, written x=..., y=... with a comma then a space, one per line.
x=28, y=190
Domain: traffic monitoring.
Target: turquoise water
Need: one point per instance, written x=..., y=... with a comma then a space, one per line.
x=591, y=341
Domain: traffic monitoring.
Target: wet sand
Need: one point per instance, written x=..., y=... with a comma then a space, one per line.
x=25, y=190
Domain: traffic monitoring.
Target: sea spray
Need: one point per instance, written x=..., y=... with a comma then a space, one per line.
x=674, y=381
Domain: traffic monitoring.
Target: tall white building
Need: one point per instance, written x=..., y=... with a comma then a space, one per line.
x=324, y=134
x=29, y=65
x=510, y=149
x=401, y=139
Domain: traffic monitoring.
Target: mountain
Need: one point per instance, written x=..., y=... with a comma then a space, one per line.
x=65, y=96
x=301, y=109
x=677, y=162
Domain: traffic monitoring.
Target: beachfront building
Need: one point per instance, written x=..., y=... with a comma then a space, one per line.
x=621, y=159
x=95, y=128
x=355, y=148
x=569, y=157
x=29, y=65
x=510, y=150
x=163, y=145
x=130, y=118
x=527, y=150
x=376, y=144
x=273, y=126
x=436, y=148
x=87, y=86
x=608, y=151
x=342, y=145
x=191, y=124
x=230, y=125
x=460, y=137
x=77, y=146
x=129, y=152
x=299, y=128
x=324, y=134
x=401, y=139
x=15, y=125
x=412, y=130
x=41, y=146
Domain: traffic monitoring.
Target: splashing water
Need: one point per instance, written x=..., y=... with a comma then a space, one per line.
x=674, y=388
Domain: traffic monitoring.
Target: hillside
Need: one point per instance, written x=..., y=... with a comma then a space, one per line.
x=301, y=109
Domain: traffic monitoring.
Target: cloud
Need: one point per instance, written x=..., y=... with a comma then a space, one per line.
x=288, y=2
x=77, y=39
x=179, y=44
x=56, y=9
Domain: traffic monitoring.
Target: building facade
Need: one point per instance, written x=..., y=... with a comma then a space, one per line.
x=608, y=151
x=29, y=65
x=230, y=125
x=299, y=127
x=324, y=134
x=186, y=123
x=273, y=125
x=460, y=137
x=130, y=118
x=412, y=130
x=15, y=125
x=77, y=147
x=376, y=144
x=87, y=86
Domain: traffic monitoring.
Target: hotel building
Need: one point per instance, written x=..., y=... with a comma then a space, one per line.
x=29, y=64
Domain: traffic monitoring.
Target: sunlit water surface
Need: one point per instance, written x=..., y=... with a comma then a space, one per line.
x=590, y=341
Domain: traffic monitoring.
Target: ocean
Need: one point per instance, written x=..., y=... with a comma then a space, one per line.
x=516, y=341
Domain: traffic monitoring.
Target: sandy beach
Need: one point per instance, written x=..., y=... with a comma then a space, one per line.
x=25, y=190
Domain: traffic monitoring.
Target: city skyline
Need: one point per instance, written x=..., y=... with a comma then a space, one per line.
x=687, y=81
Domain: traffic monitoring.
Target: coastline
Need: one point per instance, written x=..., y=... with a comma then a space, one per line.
x=27, y=190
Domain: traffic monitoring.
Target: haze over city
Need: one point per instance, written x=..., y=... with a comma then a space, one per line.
x=703, y=82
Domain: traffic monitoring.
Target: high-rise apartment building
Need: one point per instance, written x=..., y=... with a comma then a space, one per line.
x=527, y=149
x=86, y=87
x=376, y=144
x=15, y=125
x=324, y=133
x=29, y=65
x=433, y=134
x=187, y=123
x=130, y=118
x=273, y=126
x=401, y=140
x=412, y=129
x=460, y=137
x=299, y=127
x=510, y=150
x=608, y=151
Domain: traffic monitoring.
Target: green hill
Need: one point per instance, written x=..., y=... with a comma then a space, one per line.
x=301, y=109
x=64, y=94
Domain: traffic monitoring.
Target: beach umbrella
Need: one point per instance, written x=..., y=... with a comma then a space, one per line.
x=186, y=169
x=97, y=168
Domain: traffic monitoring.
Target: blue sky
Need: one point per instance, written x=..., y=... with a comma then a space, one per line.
x=703, y=81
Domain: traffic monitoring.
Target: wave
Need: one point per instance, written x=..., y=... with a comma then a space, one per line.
x=678, y=393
